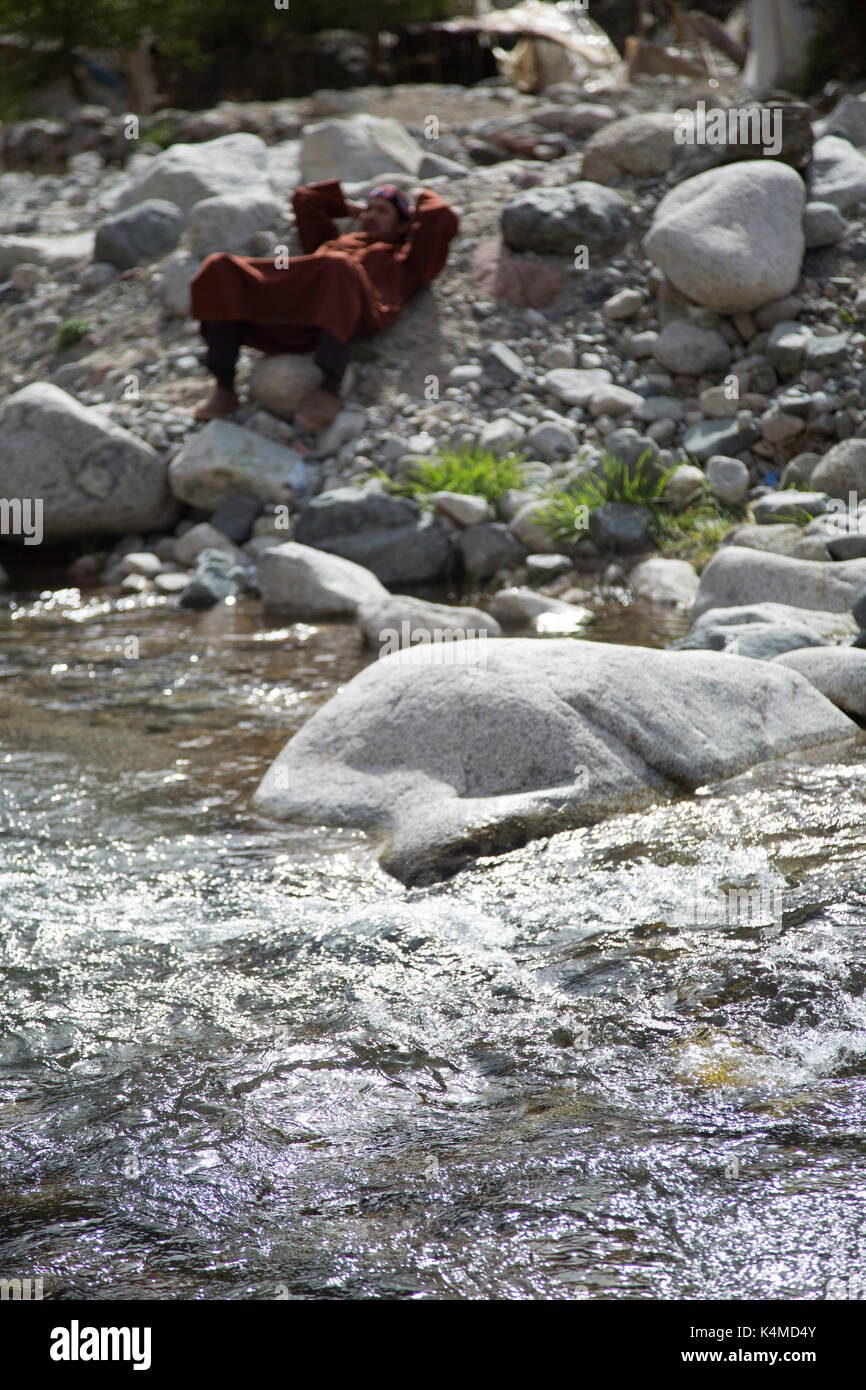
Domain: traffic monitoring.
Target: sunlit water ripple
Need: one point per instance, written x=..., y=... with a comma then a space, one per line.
x=238, y=1060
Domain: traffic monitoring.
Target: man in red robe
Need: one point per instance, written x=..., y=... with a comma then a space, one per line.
x=342, y=288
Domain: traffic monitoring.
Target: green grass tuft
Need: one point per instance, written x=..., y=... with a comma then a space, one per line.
x=472, y=471
x=70, y=332
x=566, y=511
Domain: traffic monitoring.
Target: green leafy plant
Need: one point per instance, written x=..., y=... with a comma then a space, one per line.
x=163, y=135
x=70, y=332
x=638, y=484
x=695, y=533
x=473, y=471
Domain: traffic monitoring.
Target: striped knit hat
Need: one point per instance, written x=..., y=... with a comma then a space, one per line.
x=393, y=194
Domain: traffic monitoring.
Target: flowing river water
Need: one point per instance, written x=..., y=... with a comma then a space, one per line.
x=237, y=1060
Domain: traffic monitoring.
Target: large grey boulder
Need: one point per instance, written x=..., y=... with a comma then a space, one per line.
x=501, y=742
x=231, y=221
x=842, y=470
x=90, y=475
x=185, y=174
x=390, y=622
x=757, y=641
x=223, y=458
x=142, y=233
x=817, y=621
x=838, y=672
x=737, y=574
x=559, y=220
x=358, y=148
x=837, y=173
x=389, y=535
x=640, y=146
x=781, y=538
x=731, y=239
x=300, y=582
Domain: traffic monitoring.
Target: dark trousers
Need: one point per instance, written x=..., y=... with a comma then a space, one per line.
x=224, y=340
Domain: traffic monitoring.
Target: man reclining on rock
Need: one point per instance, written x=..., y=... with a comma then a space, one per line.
x=342, y=288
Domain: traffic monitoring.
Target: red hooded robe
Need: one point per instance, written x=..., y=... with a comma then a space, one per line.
x=351, y=285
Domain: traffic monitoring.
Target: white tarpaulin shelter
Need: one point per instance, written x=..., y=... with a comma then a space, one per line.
x=556, y=43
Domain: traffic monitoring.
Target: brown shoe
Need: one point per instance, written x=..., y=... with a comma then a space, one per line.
x=220, y=403
x=319, y=409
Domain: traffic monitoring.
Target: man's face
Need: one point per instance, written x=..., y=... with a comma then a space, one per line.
x=381, y=219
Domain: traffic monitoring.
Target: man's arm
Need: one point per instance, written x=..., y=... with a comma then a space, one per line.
x=315, y=205
x=425, y=249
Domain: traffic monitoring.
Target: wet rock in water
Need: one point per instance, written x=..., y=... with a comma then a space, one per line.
x=223, y=458
x=728, y=478
x=389, y=535
x=737, y=575
x=301, y=582
x=842, y=470
x=526, y=608
x=142, y=233
x=709, y=235
x=620, y=527
x=501, y=742
x=89, y=476
x=230, y=222
x=283, y=382
x=488, y=548
x=789, y=505
x=185, y=174
x=641, y=146
x=838, y=672
x=357, y=148
x=394, y=621
x=660, y=580
x=559, y=220
x=216, y=577
x=543, y=568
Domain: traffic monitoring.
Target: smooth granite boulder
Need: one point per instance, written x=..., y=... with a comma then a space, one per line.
x=497, y=743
